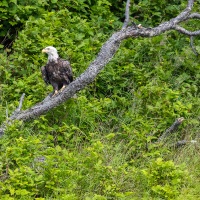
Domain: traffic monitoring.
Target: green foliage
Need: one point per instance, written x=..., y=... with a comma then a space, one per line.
x=155, y=12
x=14, y=14
x=102, y=144
x=61, y=29
x=32, y=165
x=164, y=179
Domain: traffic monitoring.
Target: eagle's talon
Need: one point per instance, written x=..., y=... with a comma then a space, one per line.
x=63, y=87
x=55, y=93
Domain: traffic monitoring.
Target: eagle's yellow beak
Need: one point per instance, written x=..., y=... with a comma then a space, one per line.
x=44, y=50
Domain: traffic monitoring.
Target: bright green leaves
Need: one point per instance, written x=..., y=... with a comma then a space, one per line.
x=152, y=13
x=68, y=32
x=53, y=1
x=101, y=144
x=164, y=179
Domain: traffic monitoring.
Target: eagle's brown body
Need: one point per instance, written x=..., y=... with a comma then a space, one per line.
x=57, y=72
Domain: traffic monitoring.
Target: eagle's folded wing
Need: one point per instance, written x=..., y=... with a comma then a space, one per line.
x=66, y=71
x=45, y=75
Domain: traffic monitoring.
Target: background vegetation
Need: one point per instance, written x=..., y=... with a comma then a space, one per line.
x=102, y=144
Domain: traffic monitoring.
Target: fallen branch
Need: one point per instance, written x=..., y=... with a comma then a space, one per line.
x=171, y=129
x=106, y=53
x=181, y=143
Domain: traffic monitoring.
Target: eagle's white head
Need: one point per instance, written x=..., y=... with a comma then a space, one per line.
x=52, y=53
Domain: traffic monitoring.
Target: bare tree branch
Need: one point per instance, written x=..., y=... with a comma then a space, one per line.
x=18, y=109
x=194, y=16
x=106, y=53
x=186, y=32
x=127, y=15
x=20, y=105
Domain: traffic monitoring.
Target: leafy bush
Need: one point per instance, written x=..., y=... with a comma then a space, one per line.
x=164, y=179
x=43, y=166
x=14, y=14
x=100, y=145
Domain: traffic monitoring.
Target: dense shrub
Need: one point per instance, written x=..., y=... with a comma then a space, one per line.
x=102, y=144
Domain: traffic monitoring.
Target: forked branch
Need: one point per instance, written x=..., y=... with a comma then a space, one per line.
x=9, y=120
x=106, y=53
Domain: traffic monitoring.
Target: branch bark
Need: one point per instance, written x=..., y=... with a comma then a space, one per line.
x=171, y=129
x=127, y=15
x=18, y=109
x=20, y=105
x=106, y=53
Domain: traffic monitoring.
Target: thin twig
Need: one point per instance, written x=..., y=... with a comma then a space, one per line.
x=21, y=102
x=194, y=16
x=9, y=119
x=192, y=45
x=185, y=31
x=20, y=105
x=127, y=15
x=6, y=110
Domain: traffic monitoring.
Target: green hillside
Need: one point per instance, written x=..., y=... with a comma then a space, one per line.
x=103, y=144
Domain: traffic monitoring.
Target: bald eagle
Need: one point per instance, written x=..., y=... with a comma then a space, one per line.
x=57, y=72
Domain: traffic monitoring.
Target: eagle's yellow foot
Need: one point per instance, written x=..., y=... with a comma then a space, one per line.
x=55, y=93
x=63, y=87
